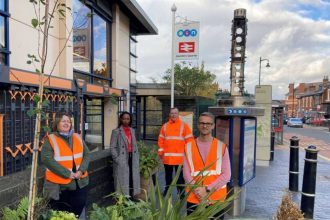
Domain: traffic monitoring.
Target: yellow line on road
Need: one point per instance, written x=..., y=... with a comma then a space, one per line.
x=319, y=155
x=325, y=158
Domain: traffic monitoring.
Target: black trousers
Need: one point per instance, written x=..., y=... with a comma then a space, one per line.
x=71, y=201
x=191, y=208
x=130, y=164
x=169, y=176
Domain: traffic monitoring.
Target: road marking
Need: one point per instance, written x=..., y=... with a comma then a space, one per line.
x=306, y=141
x=324, y=158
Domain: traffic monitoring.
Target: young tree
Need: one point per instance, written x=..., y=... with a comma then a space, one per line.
x=192, y=81
x=44, y=14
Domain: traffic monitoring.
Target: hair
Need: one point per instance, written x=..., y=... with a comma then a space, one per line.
x=121, y=117
x=59, y=117
x=173, y=109
x=207, y=114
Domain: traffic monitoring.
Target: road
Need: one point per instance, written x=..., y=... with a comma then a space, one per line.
x=317, y=136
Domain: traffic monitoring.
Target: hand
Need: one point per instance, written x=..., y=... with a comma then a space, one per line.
x=78, y=174
x=200, y=192
x=72, y=176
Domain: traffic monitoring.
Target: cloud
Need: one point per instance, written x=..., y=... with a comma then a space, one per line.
x=100, y=54
x=288, y=33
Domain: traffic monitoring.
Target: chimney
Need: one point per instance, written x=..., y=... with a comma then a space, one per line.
x=325, y=80
x=291, y=87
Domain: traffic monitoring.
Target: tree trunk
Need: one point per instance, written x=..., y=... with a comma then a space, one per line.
x=33, y=178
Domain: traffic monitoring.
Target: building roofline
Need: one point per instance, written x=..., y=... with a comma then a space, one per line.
x=142, y=17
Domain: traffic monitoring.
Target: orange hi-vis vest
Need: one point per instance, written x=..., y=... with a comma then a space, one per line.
x=171, y=141
x=209, y=175
x=65, y=156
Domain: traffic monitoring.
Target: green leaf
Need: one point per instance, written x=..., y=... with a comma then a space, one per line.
x=36, y=98
x=34, y=22
x=46, y=129
x=29, y=62
x=45, y=103
x=62, y=12
x=31, y=113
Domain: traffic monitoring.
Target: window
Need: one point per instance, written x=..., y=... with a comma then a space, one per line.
x=328, y=94
x=94, y=124
x=133, y=58
x=4, y=50
x=100, y=67
x=91, y=45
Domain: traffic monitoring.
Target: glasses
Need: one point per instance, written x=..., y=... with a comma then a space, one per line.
x=208, y=124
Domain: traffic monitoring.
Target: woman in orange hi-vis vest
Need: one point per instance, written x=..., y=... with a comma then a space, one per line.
x=66, y=158
x=206, y=163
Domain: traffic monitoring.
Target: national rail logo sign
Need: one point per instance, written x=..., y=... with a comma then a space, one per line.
x=186, y=40
x=186, y=47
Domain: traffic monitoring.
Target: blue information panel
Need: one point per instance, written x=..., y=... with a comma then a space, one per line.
x=247, y=162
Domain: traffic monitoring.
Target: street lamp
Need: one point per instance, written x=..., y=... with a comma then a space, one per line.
x=260, y=66
x=173, y=9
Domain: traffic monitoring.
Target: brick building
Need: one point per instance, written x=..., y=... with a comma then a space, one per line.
x=309, y=99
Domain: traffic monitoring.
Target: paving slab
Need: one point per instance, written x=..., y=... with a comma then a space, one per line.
x=264, y=193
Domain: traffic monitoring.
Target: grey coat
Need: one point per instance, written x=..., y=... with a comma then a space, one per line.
x=119, y=153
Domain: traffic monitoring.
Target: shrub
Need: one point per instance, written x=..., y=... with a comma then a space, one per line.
x=157, y=206
x=288, y=209
x=123, y=209
x=149, y=159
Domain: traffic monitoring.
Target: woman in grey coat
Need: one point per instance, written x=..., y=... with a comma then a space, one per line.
x=125, y=155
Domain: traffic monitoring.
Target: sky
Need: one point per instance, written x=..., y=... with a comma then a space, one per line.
x=293, y=34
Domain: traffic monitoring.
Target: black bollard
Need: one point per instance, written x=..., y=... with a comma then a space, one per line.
x=309, y=182
x=272, y=145
x=294, y=164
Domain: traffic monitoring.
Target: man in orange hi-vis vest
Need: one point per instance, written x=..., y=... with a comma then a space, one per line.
x=206, y=162
x=173, y=136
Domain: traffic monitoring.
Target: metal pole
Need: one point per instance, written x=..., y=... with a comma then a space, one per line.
x=294, y=164
x=173, y=9
x=259, y=70
x=272, y=145
x=309, y=182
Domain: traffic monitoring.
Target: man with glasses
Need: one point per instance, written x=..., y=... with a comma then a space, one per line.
x=207, y=164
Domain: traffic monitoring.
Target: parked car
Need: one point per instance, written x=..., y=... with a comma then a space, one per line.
x=295, y=122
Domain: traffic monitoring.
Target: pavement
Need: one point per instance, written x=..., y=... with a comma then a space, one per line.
x=265, y=191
